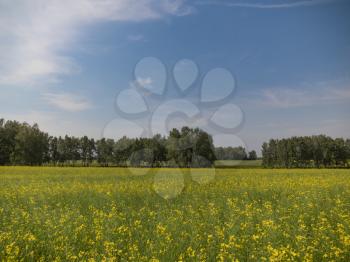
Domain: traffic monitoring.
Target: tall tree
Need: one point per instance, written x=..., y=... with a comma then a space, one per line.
x=87, y=150
x=252, y=155
x=104, y=151
x=31, y=146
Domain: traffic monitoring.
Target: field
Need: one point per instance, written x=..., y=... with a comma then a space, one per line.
x=113, y=214
x=238, y=163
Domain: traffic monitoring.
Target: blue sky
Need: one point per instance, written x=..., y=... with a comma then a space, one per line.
x=63, y=64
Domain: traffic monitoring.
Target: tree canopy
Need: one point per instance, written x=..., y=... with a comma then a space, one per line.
x=306, y=151
x=22, y=144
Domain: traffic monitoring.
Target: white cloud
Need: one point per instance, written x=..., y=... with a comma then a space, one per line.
x=67, y=101
x=265, y=4
x=35, y=34
x=287, y=97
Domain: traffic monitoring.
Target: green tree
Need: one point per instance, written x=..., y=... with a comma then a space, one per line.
x=8, y=132
x=252, y=155
x=104, y=151
x=190, y=147
x=87, y=150
x=54, y=156
x=31, y=146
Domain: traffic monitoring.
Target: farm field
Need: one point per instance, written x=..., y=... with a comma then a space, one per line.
x=74, y=214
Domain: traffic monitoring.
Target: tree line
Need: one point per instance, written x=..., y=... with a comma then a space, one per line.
x=307, y=151
x=234, y=153
x=24, y=144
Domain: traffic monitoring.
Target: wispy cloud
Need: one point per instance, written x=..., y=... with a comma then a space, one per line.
x=36, y=34
x=287, y=97
x=265, y=4
x=67, y=101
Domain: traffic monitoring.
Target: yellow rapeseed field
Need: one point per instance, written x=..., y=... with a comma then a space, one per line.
x=112, y=214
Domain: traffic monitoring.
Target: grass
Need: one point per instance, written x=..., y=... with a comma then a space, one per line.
x=114, y=214
x=238, y=163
